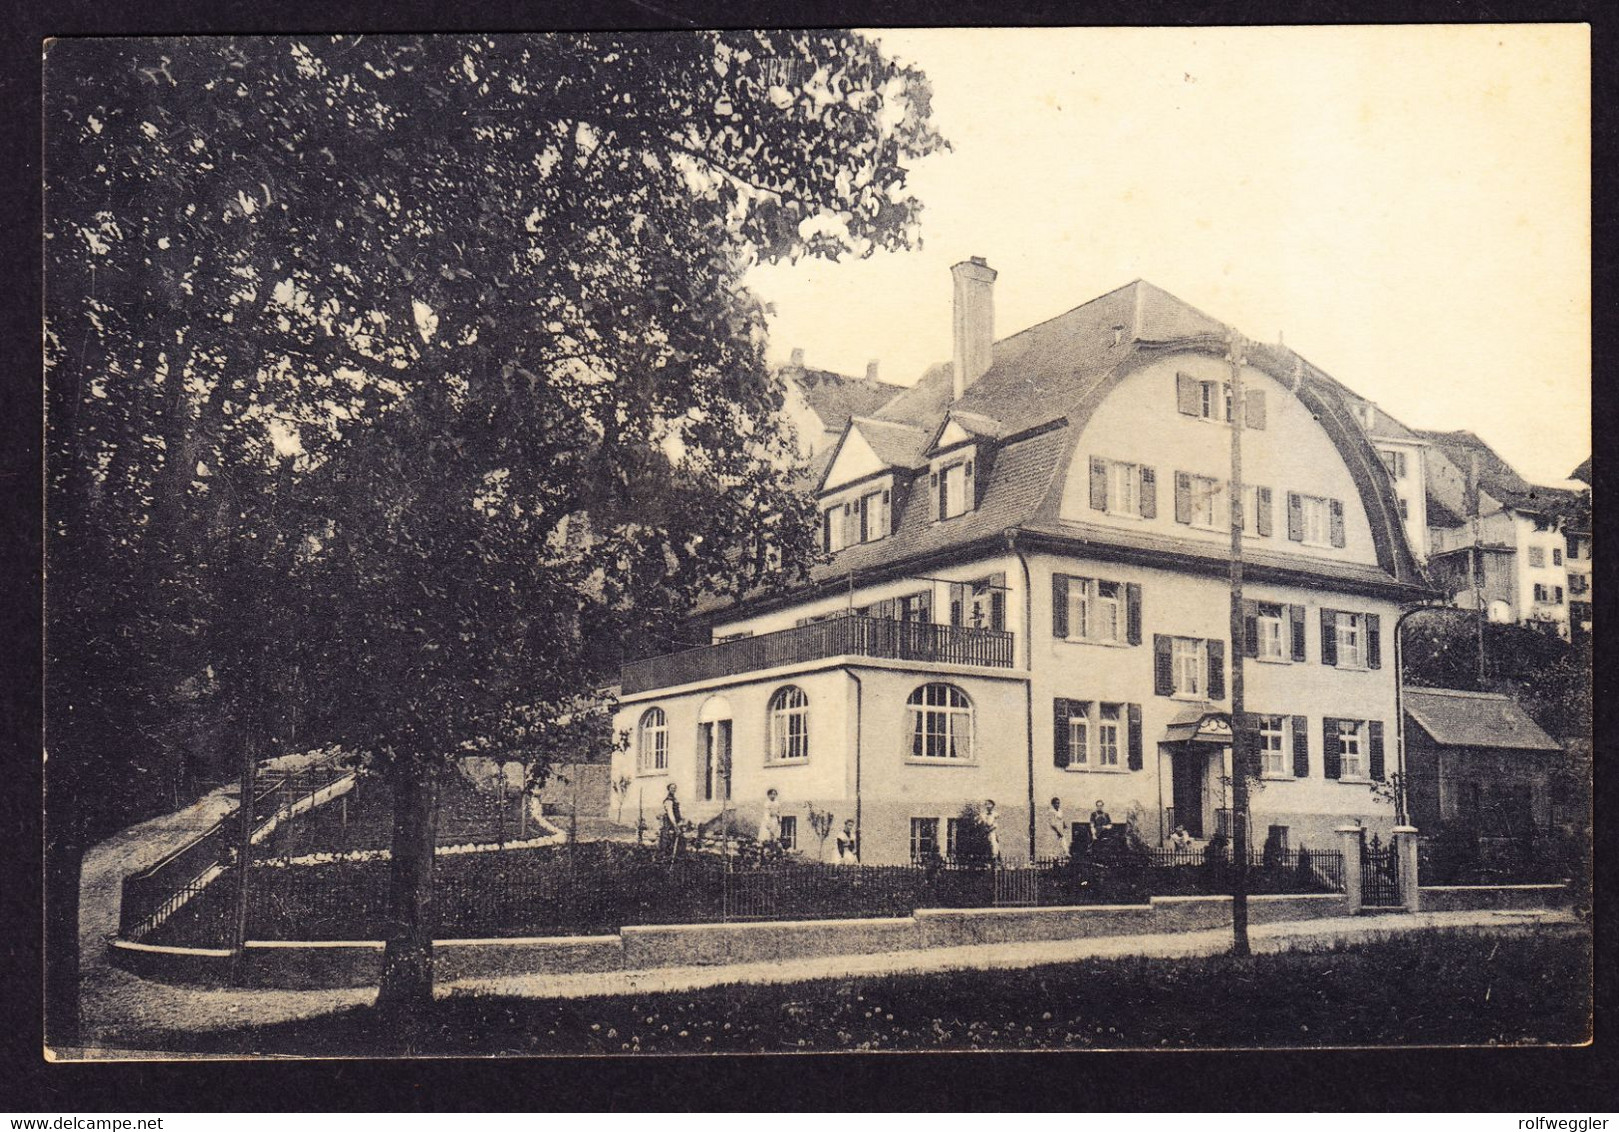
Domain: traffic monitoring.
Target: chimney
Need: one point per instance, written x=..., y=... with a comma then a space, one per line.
x=974, y=321
x=797, y=361
x=871, y=370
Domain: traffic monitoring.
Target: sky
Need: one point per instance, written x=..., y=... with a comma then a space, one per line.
x=1407, y=207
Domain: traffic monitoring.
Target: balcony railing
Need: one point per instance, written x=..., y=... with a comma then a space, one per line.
x=841, y=636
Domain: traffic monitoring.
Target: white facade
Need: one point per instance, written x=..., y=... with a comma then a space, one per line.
x=931, y=668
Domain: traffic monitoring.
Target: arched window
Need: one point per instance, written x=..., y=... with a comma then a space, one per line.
x=652, y=742
x=941, y=722
x=789, y=725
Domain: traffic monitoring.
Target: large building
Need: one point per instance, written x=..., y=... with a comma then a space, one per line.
x=1028, y=599
x=1508, y=548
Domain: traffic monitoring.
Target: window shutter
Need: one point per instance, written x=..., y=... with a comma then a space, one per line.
x=1262, y=505
x=885, y=609
x=1374, y=641
x=936, y=492
x=958, y=603
x=924, y=605
x=1335, y=510
x=997, y=601
x=1248, y=728
x=1374, y=747
x=1301, y=747
x=1187, y=394
x=1132, y=613
x=1098, y=484
x=1135, y=737
x=1059, y=606
x=1295, y=615
x=1250, y=628
x=1183, y=497
x=1329, y=637
x=1149, y=493
x=969, y=487
x=1216, y=653
x=1163, y=665
x=1256, y=407
x=1295, y=517
x=826, y=529
x=885, y=516
x=1332, y=763
x=1059, y=735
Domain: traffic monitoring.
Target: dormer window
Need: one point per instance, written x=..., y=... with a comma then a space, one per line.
x=863, y=514
x=953, y=484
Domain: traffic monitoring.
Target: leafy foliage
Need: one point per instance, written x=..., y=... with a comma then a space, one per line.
x=393, y=376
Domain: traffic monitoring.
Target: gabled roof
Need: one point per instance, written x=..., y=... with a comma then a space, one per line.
x=897, y=445
x=1495, y=475
x=924, y=403
x=835, y=398
x=1583, y=472
x=1475, y=719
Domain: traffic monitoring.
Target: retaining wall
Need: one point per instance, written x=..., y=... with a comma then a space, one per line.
x=691, y=945
x=304, y=965
x=1473, y=898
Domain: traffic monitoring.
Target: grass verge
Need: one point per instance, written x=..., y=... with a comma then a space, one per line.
x=1438, y=988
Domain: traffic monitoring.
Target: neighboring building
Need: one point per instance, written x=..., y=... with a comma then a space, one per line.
x=1578, y=534
x=819, y=402
x=1029, y=599
x=1406, y=456
x=1476, y=760
x=1511, y=557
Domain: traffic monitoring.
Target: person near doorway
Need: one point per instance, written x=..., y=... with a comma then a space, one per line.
x=848, y=849
x=992, y=831
x=1101, y=823
x=671, y=831
x=1057, y=827
x=1180, y=841
x=770, y=825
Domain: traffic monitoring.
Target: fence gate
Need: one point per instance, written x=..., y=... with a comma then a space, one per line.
x=1379, y=875
x=1016, y=887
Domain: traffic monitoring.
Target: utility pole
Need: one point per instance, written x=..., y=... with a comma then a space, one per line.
x=1236, y=348
x=1476, y=559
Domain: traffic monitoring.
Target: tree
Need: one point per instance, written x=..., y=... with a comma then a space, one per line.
x=489, y=295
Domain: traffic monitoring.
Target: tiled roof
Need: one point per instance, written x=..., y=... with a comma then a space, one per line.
x=1044, y=384
x=1019, y=474
x=923, y=403
x=1495, y=475
x=1583, y=472
x=897, y=445
x=1475, y=719
x=835, y=398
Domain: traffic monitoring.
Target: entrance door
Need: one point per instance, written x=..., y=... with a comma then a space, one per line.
x=1186, y=771
x=716, y=743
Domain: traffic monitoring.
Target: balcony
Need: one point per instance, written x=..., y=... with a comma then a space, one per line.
x=841, y=636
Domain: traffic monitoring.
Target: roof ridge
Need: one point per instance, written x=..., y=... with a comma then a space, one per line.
x=1459, y=693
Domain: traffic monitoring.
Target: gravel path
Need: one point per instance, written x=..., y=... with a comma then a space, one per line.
x=117, y=1007
x=1296, y=935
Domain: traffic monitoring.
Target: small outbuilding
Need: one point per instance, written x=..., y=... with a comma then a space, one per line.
x=1476, y=760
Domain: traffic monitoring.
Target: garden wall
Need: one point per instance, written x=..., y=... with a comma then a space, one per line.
x=306, y=964
x=1473, y=898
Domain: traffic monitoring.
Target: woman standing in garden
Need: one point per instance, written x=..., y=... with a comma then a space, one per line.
x=770, y=825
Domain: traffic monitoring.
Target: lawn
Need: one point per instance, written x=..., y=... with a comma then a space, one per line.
x=1441, y=988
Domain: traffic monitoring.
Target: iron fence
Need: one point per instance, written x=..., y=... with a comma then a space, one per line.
x=152, y=896
x=598, y=888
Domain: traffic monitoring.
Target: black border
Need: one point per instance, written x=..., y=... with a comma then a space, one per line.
x=1396, y=1080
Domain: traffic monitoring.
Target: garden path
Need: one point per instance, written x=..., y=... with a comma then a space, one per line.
x=1282, y=936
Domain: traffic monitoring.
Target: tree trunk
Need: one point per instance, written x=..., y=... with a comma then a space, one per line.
x=407, y=959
